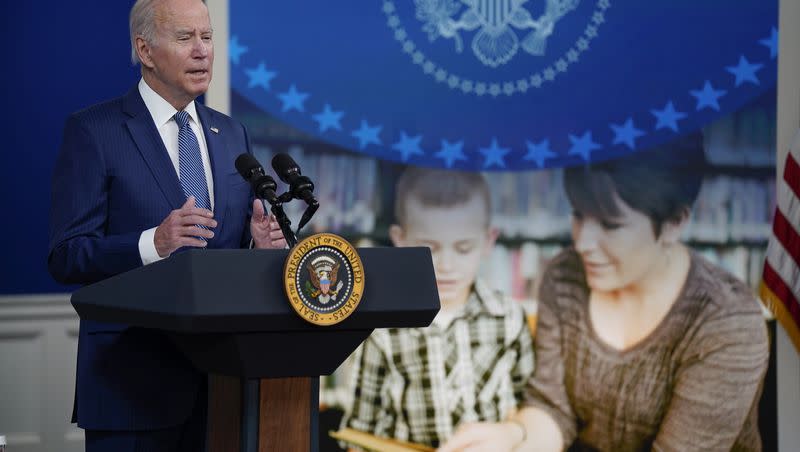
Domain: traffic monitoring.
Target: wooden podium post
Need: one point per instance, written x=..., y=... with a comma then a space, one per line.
x=286, y=415
x=224, y=413
x=286, y=420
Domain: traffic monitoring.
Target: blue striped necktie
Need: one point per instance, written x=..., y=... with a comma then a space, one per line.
x=190, y=164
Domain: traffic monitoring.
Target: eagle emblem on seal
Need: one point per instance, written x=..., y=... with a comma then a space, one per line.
x=497, y=22
x=323, y=275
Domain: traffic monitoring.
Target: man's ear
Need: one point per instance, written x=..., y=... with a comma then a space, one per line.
x=143, y=51
x=396, y=235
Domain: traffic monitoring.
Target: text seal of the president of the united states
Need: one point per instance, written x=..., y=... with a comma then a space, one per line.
x=324, y=279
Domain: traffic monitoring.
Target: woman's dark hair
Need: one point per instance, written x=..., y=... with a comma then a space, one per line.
x=661, y=182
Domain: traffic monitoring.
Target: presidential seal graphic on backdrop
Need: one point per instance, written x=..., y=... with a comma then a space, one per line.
x=496, y=42
x=500, y=85
x=324, y=279
x=501, y=28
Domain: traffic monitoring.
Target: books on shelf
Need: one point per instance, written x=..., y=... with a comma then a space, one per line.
x=532, y=211
x=517, y=270
x=525, y=206
x=744, y=138
x=345, y=185
x=732, y=209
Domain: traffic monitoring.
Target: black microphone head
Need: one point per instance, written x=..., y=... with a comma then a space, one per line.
x=264, y=186
x=285, y=167
x=246, y=164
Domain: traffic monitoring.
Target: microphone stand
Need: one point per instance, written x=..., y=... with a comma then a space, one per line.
x=283, y=221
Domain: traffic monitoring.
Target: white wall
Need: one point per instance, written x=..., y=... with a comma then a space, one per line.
x=38, y=349
x=788, y=372
x=219, y=94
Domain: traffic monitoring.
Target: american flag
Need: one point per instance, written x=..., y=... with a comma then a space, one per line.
x=780, y=283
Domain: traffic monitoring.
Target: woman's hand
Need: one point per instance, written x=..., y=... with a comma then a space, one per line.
x=485, y=436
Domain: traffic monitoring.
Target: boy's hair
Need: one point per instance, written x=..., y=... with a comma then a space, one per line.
x=439, y=188
x=661, y=183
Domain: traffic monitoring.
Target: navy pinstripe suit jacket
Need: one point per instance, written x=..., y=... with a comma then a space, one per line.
x=114, y=179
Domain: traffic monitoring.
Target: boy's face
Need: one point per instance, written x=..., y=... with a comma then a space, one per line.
x=458, y=237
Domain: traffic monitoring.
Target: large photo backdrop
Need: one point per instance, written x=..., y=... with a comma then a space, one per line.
x=516, y=90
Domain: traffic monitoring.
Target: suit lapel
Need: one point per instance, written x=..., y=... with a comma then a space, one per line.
x=150, y=145
x=217, y=153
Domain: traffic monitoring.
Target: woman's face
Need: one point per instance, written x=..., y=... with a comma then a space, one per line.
x=617, y=253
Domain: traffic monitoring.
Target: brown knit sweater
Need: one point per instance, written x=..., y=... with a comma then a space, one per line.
x=692, y=384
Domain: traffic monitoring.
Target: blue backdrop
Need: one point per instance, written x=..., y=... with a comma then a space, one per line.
x=502, y=84
x=437, y=83
x=59, y=57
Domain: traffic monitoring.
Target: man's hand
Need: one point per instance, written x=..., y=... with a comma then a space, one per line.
x=180, y=228
x=265, y=229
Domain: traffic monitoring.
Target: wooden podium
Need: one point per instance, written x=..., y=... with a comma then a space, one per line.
x=227, y=312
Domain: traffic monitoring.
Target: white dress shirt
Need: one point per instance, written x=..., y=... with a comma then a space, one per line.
x=163, y=115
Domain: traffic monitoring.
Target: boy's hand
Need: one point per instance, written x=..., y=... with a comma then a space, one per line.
x=484, y=437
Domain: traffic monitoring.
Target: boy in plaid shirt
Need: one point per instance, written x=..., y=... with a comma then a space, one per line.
x=472, y=363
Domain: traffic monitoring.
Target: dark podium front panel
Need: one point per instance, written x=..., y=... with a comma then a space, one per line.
x=227, y=312
x=226, y=309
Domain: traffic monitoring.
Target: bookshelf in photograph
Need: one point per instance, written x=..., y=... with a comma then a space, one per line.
x=730, y=222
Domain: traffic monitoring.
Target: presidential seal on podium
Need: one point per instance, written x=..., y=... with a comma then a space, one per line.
x=324, y=279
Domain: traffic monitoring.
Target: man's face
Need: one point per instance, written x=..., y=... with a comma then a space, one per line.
x=180, y=59
x=458, y=237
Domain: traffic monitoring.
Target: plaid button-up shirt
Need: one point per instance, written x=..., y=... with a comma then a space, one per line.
x=420, y=384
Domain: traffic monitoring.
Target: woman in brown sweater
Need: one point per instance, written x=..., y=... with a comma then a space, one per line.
x=641, y=343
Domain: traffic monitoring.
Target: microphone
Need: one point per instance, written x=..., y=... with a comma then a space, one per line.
x=287, y=170
x=264, y=186
x=300, y=187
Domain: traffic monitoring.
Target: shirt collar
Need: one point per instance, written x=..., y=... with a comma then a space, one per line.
x=161, y=110
x=483, y=299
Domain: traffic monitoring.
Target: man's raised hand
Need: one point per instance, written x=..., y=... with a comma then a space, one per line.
x=180, y=228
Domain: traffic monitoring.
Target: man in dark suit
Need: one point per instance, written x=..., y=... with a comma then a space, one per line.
x=137, y=179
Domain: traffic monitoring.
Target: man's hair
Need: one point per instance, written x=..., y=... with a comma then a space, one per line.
x=661, y=183
x=439, y=188
x=142, y=22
